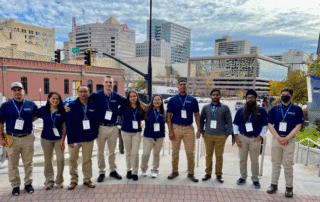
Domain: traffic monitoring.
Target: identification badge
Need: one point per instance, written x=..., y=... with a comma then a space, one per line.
x=108, y=115
x=249, y=127
x=183, y=114
x=19, y=124
x=283, y=127
x=213, y=124
x=56, y=132
x=135, y=124
x=86, y=124
x=156, y=127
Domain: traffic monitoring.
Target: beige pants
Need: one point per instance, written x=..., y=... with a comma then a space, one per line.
x=148, y=145
x=185, y=134
x=253, y=148
x=87, y=148
x=214, y=143
x=282, y=155
x=25, y=147
x=48, y=146
x=131, y=146
x=109, y=135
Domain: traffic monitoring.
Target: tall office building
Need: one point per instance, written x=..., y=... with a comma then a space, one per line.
x=318, y=50
x=178, y=36
x=227, y=46
x=159, y=49
x=110, y=37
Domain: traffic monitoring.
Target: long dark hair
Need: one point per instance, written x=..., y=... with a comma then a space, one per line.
x=60, y=105
x=150, y=106
x=248, y=109
x=140, y=107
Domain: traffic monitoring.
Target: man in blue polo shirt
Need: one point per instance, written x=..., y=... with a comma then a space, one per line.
x=180, y=110
x=18, y=114
x=249, y=127
x=284, y=122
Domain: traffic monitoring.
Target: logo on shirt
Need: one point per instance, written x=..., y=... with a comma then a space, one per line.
x=113, y=100
x=58, y=114
x=27, y=109
x=188, y=101
x=291, y=113
x=91, y=110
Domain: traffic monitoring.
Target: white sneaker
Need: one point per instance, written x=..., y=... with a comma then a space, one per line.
x=144, y=174
x=154, y=175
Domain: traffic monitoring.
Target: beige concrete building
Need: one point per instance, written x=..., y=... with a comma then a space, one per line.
x=227, y=46
x=159, y=49
x=34, y=34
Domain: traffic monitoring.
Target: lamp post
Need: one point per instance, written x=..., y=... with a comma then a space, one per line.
x=40, y=96
x=149, y=64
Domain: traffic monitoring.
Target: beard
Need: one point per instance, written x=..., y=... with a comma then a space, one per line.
x=250, y=108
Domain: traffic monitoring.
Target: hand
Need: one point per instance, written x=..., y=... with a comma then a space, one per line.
x=71, y=146
x=282, y=141
x=198, y=135
x=62, y=147
x=3, y=142
x=171, y=135
x=257, y=139
x=67, y=108
x=239, y=142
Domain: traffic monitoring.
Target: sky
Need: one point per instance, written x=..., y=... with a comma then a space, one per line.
x=275, y=25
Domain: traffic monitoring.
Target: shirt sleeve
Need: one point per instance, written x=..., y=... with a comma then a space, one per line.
x=123, y=100
x=195, y=106
x=203, y=119
x=39, y=113
x=170, y=106
x=228, y=119
x=270, y=116
x=263, y=131
x=35, y=110
x=3, y=113
x=264, y=116
x=69, y=127
x=237, y=118
x=299, y=116
x=235, y=129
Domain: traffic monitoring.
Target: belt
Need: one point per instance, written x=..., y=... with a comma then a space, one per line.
x=184, y=125
x=108, y=125
x=249, y=136
x=18, y=135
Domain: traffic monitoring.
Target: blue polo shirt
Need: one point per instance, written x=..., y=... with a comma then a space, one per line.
x=75, y=131
x=256, y=124
x=9, y=115
x=293, y=117
x=150, y=121
x=175, y=105
x=59, y=117
x=128, y=117
x=105, y=103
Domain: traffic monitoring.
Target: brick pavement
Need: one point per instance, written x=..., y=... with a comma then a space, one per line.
x=135, y=192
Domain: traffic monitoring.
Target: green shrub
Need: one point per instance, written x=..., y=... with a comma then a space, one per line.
x=311, y=132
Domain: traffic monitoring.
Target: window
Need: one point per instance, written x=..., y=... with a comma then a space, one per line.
x=113, y=54
x=112, y=49
x=44, y=34
x=66, y=86
x=99, y=87
x=112, y=37
x=24, y=31
x=25, y=84
x=46, y=85
x=44, y=45
x=50, y=35
x=90, y=86
x=112, y=41
x=30, y=32
x=38, y=38
x=113, y=46
x=37, y=33
x=115, y=86
x=44, y=39
x=50, y=40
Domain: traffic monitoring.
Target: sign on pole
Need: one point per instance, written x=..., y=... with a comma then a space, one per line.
x=76, y=50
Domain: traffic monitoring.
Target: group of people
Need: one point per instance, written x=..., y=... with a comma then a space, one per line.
x=94, y=117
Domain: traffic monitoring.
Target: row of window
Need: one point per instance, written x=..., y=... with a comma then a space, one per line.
x=31, y=32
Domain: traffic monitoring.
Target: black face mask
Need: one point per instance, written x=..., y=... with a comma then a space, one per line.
x=285, y=98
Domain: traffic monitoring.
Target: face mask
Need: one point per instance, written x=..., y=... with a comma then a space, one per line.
x=285, y=98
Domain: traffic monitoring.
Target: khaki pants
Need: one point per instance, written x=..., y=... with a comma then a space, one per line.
x=131, y=146
x=253, y=148
x=282, y=155
x=148, y=145
x=214, y=142
x=109, y=135
x=185, y=134
x=25, y=147
x=87, y=148
x=48, y=146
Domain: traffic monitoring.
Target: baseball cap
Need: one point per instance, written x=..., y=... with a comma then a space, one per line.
x=16, y=84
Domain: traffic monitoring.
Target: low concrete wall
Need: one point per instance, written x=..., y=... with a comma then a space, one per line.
x=313, y=156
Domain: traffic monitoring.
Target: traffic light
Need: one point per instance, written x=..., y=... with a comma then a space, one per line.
x=57, y=56
x=87, y=58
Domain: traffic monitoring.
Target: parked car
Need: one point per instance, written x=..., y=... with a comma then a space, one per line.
x=259, y=102
x=205, y=100
x=238, y=105
x=69, y=99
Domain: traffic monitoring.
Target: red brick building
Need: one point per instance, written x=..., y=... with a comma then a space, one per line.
x=48, y=76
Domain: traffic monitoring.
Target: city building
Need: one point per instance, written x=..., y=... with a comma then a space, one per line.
x=32, y=34
x=159, y=49
x=276, y=56
x=110, y=37
x=227, y=46
x=255, y=50
x=178, y=36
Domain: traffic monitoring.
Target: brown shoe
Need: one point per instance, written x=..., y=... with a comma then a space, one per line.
x=173, y=175
x=89, y=184
x=72, y=185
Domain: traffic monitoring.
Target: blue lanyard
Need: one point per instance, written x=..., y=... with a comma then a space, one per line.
x=183, y=103
x=284, y=116
x=19, y=111
x=108, y=100
x=53, y=119
x=214, y=112
x=249, y=118
x=155, y=114
x=85, y=111
x=134, y=114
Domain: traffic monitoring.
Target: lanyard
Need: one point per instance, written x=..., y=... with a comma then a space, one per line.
x=134, y=113
x=85, y=111
x=155, y=114
x=183, y=103
x=284, y=116
x=249, y=118
x=214, y=112
x=53, y=119
x=108, y=100
x=19, y=111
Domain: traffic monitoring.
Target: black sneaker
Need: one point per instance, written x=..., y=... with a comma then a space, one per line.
x=115, y=175
x=16, y=191
x=129, y=174
x=289, y=192
x=29, y=188
x=135, y=177
x=101, y=177
x=241, y=181
x=272, y=189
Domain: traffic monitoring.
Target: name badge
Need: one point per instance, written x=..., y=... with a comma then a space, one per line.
x=19, y=124
x=108, y=115
x=156, y=127
x=56, y=132
x=86, y=124
x=283, y=127
x=249, y=127
x=213, y=124
x=135, y=124
x=183, y=114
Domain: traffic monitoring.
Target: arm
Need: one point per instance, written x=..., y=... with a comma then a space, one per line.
x=293, y=132
x=169, y=122
x=228, y=119
x=3, y=141
x=64, y=134
x=69, y=129
x=197, y=117
x=203, y=119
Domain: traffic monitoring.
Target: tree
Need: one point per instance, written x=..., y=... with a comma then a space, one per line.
x=141, y=84
x=275, y=87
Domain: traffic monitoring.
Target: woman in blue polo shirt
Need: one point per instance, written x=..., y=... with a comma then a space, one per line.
x=153, y=136
x=53, y=137
x=132, y=113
